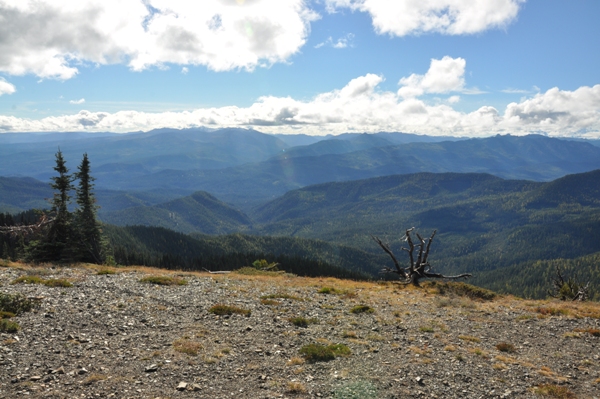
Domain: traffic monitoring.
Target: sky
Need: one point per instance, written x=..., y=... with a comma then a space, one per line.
x=471, y=68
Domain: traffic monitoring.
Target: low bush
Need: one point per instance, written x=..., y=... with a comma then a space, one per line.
x=356, y=390
x=506, y=347
x=362, y=309
x=8, y=326
x=554, y=391
x=16, y=303
x=223, y=310
x=187, y=346
x=302, y=321
x=324, y=353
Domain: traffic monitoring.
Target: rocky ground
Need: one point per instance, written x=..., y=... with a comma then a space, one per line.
x=113, y=336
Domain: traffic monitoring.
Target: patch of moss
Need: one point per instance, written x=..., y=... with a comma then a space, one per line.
x=15, y=303
x=8, y=326
x=362, y=309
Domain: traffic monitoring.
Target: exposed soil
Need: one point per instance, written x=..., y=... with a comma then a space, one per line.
x=112, y=336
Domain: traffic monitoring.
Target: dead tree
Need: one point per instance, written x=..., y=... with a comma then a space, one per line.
x=418, y=268
x=568, y=288
x=29, y=229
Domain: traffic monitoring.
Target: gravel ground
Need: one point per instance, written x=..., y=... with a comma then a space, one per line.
x=112, y=336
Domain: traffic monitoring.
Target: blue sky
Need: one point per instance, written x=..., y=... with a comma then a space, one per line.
x=465, y=68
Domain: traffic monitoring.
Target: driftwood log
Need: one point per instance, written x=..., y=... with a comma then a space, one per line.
x=419, y=267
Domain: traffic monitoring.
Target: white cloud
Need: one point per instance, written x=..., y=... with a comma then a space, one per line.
x=185, y=70
x=357, y=107
x=451, y=17
x=443, y=76
x=51, y=38
x=80, y=101
x=342, y=42
x=6, y=88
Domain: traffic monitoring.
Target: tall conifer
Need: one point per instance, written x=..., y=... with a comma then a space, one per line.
x=89, y=237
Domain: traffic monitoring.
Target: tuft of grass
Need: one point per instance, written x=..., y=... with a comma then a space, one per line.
x=105, y=271
x=9, y=326
x=269, y=302
x=322, y=353
x=38, y=280
x=461, y=289
x=163, y=280
x=329, y=290
x=356, y=390
x=57, y=282
x=295, y=361
x=302, y=321
x=506, y=347
x=350, y=334
x=469, y=338
x=295, y=387
x=554, y=391
x=223, y=310
x=16, y=303
x=281, y=295
x=362, y=309
x=187, y=346
x=6, y=315
x=427, y=329
x=551, y=311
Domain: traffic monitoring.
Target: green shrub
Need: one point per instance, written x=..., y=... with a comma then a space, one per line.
x=223, y=310
x=163, y=280
x=250, y=271
x=8, y=326
x=317, y=353
x=321, y=353
x=356, y=390
x=15, y=303
x=362, y=309
x=302, y=321
x=328, y=290
x=554, y=391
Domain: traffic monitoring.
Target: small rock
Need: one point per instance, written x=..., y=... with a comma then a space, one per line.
x=35, y=378
x=419, y=380
x=196, y=387
x=182, y=386
x=82, y=371
x=151, y=369
x=60, y=370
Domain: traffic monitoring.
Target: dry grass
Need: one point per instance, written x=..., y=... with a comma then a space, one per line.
x=92, y=378
x=187, y=346
x=469, y=338
x=554, y=391
x=163, y=280
x=295, y=387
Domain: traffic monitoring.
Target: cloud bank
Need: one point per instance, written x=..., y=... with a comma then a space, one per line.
x=51, y=38
x=360, y=106
x=450, y=17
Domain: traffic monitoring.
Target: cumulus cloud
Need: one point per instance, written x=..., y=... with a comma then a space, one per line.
x=185, y=70
x=443, y=76
x=360, y=106
x=6, y=88
x=451, y=17
x=80, y=101
x=51, y=38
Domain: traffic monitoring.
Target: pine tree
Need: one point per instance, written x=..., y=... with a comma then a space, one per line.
x=57, y=244
x=88, y=233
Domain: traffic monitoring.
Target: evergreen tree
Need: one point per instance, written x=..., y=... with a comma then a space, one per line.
x=57, y=244
x=89, y=236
